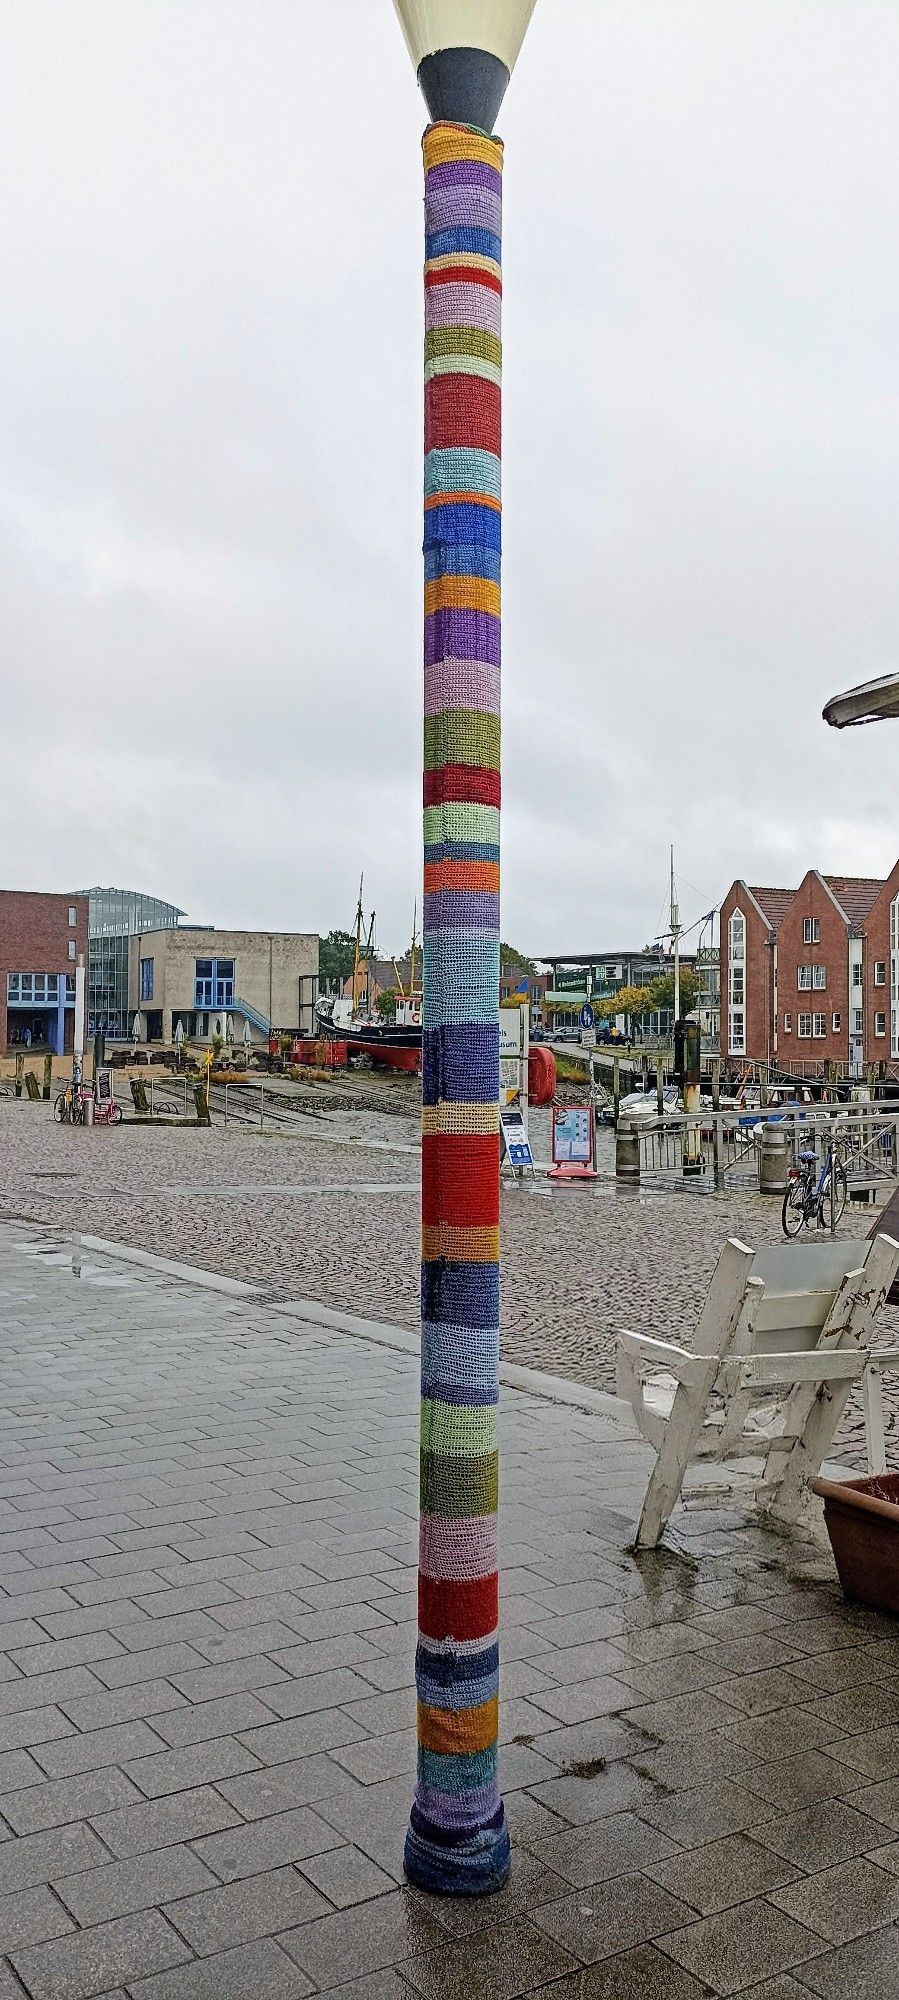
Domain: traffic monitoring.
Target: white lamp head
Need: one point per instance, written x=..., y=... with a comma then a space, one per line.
x=464, y=52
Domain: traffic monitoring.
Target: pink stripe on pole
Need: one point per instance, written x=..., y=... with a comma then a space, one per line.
x=463, y=305
x=465, y=1550
x=469, y=684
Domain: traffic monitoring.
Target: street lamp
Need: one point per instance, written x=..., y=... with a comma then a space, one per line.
x=873, y=701
x=463, y=52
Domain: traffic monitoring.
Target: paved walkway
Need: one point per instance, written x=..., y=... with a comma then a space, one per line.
x=337, y=1220
x=207, y=1566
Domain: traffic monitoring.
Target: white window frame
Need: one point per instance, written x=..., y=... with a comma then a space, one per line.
x=836, y=1027
x=811, y=930
x=804, y=978
x=73, y=916
x=736, y=983
x=880, y=972
x=788, y=1024
x=819, y=1026
x=858, y=1021
x=819, y=978
x=804, y=1027
x=880, y=1025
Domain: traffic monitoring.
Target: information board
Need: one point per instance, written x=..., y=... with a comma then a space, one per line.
x=516, y=1144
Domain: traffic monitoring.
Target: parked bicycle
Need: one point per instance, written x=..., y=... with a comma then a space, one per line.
x=815, y=1198
x=67, y=1107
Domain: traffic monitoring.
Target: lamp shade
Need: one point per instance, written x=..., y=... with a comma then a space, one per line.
x=873, y=701
x=464, y=52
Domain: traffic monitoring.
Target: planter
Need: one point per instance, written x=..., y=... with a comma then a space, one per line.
x=862, y=1519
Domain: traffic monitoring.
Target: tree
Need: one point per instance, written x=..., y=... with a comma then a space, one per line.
x=336, y=957
x=515, y=961
x=385, y=1005
x=661, y=992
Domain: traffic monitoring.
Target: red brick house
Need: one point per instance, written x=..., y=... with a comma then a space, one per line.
x=880, y=973
x=750, y=920
x=811, y=975
x=41, y=938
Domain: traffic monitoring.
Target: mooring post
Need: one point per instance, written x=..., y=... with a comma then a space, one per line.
x=48, y=1074
x=616, y=1087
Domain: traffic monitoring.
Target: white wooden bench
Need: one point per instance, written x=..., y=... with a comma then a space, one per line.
x=796, y=1319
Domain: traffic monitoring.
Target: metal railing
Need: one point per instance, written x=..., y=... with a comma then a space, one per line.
x=723, y=1146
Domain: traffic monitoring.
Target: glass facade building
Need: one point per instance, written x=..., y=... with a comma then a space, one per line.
x=114, y=916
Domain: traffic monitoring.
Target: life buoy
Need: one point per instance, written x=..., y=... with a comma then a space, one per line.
x=541, y=1075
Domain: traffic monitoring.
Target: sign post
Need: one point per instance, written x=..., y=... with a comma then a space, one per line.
x=588, y=1026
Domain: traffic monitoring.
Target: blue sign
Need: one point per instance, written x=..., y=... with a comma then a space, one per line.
x=588, y=1018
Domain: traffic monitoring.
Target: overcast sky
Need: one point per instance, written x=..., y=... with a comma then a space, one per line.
x=210, y=454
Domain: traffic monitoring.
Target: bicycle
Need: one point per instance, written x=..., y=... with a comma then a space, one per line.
x=68, y=1108
x=808, y=1199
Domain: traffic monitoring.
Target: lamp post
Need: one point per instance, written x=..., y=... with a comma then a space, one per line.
x=463, y=52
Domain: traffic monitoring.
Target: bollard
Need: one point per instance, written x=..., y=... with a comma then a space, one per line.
x=32, y=1086
x=692, y=1160
x=775, y=1154
x=616, y=1086
x=763, y=1086
x=20, y=1071
x=627, y=1152
x=48, y=1075
x=202, y=1104
x=87, y=1108
x=716, y=1118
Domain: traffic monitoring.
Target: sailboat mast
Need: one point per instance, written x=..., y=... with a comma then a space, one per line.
x=358, y=946
x=675, y=932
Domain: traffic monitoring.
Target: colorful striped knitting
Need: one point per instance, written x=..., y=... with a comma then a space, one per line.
x=457, y=1841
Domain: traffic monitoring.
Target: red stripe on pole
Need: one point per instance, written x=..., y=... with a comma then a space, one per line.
x=458, y=1610
x=472, y=423
x=470, y=784
x=460, y=1179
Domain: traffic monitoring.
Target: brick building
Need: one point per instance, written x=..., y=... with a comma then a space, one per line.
x=750, y=920
x=811, y=975
x=41, y=938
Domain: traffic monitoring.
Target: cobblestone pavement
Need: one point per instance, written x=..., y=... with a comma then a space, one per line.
x=207, y=1591
x=333, y=1217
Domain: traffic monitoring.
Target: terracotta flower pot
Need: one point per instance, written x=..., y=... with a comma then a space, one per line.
x=862, y=1519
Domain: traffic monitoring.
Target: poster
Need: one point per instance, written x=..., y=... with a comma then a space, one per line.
x=573, y=1135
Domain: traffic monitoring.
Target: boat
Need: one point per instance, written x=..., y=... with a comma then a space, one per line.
x=351, y=1018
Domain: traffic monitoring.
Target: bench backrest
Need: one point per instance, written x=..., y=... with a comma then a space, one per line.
x=801, y=1281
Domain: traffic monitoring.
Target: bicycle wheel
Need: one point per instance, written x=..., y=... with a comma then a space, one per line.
x=826, y=1215
x=115, y=1116
x=61, y=1109
x=792, y=1214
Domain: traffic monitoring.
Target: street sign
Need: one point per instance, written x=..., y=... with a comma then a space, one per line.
x=588, y=1038
x=588, y=1018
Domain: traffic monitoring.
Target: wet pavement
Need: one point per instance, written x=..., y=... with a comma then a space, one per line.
x=208, y=1516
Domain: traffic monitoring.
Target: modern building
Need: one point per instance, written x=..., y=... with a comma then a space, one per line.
x=597, y=976
x=41, y=939
x=214, y=981
x=811, y=975
x=115, y=915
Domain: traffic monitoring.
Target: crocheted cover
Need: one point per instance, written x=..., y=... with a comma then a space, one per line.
x=457, y=1841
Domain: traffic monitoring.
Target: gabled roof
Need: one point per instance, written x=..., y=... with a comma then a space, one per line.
x=773, y=903
x=855, y=894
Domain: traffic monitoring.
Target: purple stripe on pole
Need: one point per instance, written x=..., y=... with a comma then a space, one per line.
x=471, y=1547
x=464, y=635
x=456, y=208
x=471, y=684
x=463, y=305
x=460, y=1809
x=459, y=910
x=463, y=173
